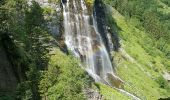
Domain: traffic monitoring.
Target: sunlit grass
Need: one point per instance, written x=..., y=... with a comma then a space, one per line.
x=140, y=75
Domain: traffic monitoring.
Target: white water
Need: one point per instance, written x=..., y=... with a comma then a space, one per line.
x=86, y=43
x=84, y=40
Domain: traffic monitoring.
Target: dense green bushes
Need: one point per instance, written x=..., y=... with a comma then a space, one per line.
x=24, y=25
x=167, y=2
x=163, y=83
x=64, y=79
x=89, y=2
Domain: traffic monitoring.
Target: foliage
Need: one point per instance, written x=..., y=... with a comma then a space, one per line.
x=26, y=44
x=47, y=10
x=166, y=2
x=6, y=97
x=30, y=35
x=163, y=83
x=148, y=18
x=139, y=62
x=37, y=48
x=89, y=4
x=64, y=79
x=33, y=17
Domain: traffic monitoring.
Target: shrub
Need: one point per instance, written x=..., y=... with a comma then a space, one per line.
x=162, y=83
x=64, y=79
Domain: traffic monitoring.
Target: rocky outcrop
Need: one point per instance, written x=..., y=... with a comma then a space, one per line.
x=102, y=15
x=52, y=16
x=92, y=94
x=99, y=15
x=53, y=20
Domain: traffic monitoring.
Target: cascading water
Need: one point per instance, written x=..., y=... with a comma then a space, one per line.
x=85, y=41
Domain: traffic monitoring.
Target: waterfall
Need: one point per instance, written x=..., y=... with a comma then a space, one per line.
x=84, y=41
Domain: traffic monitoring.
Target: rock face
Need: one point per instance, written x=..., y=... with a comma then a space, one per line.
x=53, y=18
x=64, y=1
x=102, y=14
x=92, y=94
x=99, y=15
x=8, y=79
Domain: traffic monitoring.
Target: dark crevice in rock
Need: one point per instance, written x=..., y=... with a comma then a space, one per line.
x=64, y=1
x=99, y=15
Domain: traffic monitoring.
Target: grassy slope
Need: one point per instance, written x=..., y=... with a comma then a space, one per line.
x=138, y=64
x=64, y=61
x=110, y=93
x=142, y=63
x=165, y=8
x=64, y=79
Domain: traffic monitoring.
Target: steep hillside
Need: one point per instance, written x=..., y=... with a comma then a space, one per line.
x=84, y=49
x=141, y=70
x=139, y=62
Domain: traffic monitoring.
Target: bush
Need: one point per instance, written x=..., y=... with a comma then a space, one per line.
x=163, y=83
x=6, y=97
x=64, y=79
x=167, y=2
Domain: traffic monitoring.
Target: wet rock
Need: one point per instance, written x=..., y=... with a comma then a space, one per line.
x=99, y=15
x=92, y=94
x=64, y=1
x=115, y=81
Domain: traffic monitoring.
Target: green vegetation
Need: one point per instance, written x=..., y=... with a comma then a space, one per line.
x=163, y=83
x=42, y=75
x=44, y=72
x=64, y=79
x=148, y=16
x=24, y=36
x=142, y=59
x=89, y=2
x=109, y=93
x=166, y=2
x=54, y=1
